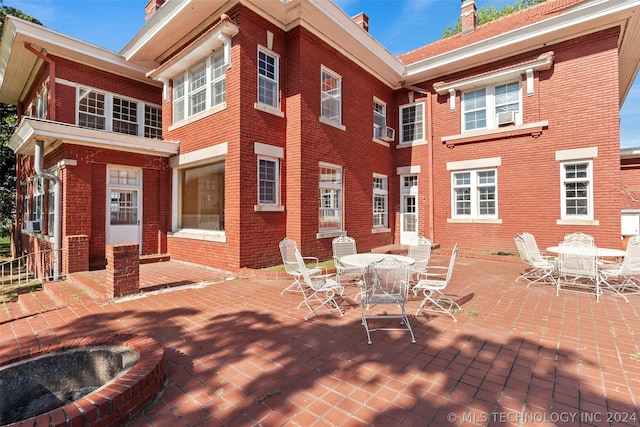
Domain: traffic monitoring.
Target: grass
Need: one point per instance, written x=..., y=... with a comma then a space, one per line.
x=5, y=249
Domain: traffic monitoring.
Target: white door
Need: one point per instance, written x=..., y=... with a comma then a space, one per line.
x=124, y=202
x=408, y=208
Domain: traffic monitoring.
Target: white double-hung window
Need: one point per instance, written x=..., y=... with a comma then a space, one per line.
x=331, y=96
x=267, y=78
x=379, y=119
x=330, y=182
x=380, y=201
x=199, y=88
x=412, y=122
x=268, y=187
x=577, y=189
x=492, y=106
x=474, y=194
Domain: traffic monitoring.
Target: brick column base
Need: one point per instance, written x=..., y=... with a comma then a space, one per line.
x=75, y=254
x=123, y=270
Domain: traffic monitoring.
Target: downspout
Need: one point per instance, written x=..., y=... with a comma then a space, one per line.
x=431, y=185
x=57, y=205
x=51, y=93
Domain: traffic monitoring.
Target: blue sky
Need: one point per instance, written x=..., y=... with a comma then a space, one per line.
x=400, y=25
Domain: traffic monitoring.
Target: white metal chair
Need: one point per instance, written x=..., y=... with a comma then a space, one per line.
x=541, y=268
x=578, y=267
x=579, y=236
x=345, y=245
x=287, y=248
x=386, y=284
x=321, y=288
x=432, y=284
x=622, y=278
x=420, y=251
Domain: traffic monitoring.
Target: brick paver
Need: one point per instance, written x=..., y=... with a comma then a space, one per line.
x=239, y=353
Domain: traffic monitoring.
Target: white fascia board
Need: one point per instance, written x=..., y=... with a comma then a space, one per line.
x=31, y=129
x=581, y=16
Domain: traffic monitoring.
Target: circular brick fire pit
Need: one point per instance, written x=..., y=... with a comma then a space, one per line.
x=88, y=381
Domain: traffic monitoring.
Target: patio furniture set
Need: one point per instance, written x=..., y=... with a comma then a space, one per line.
x=383, y=281
x=582, y=266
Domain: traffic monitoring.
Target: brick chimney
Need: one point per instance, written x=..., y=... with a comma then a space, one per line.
x=363, y=20
x=468, y=16
x=152, y=7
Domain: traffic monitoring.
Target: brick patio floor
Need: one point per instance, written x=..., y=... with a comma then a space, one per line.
x=238, y=353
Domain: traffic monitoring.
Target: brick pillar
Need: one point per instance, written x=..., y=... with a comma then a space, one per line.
x=123, y=270
x=75, y=254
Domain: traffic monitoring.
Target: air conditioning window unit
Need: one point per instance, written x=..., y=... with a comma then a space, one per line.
x=388, y=134
x=506, y=118
x=32, y=226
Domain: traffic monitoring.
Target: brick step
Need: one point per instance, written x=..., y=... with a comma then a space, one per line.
x=92, y=283
x=68, y=292
x=35, y=302
x=9, y=311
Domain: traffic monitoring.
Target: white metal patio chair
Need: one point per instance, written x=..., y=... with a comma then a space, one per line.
x=420, y=251
x=321, y=289
x=432, y=284
x=345, y=245
x=541, y=268
x=579, y=236
x=623, y=278
x=287, y=248
x=386, y=284
x=578, y=267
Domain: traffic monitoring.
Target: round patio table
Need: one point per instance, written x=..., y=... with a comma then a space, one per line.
x=600, y=252
x=364, y=259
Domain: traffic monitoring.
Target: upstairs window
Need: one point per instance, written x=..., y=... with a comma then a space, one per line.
x=412, y=123
x=201, y=87
x=379, y=119
x=331, y=96
x=491, y=107
x=106, y=111
x=267, y=78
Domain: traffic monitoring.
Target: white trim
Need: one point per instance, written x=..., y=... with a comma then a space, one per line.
x=201, y=115
x=577, y=154
x=268, y=150
x=568, y=219
x=489, y=162
x=203, y=156
x=408, y=170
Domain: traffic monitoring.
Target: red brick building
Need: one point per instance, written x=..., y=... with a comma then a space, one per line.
x=223, y=127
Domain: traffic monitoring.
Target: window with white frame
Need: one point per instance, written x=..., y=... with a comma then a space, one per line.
x=26, y=203
x=267, y=78
x=330, y=215
x=379, y=119
x=199, y=88
x=577, y=189
x=412, y=123
x=38, y=198
x=201, y=197
x=474, y=194
x=106, y=111
x=492, y=106
x=51, y=213
x=380, y=201
x=41, y=104
x=331, y=95
x=268, y=182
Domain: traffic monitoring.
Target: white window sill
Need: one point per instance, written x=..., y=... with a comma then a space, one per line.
x=533, y=129
x=473, y=221
x=199, y=116
x=327, y=234
x=381, y=142
x=268, y=208
x=412, y=144
x=208, y=236
x=380, y=230
x=585, y=222
x=268, y=109
x=332, y=123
